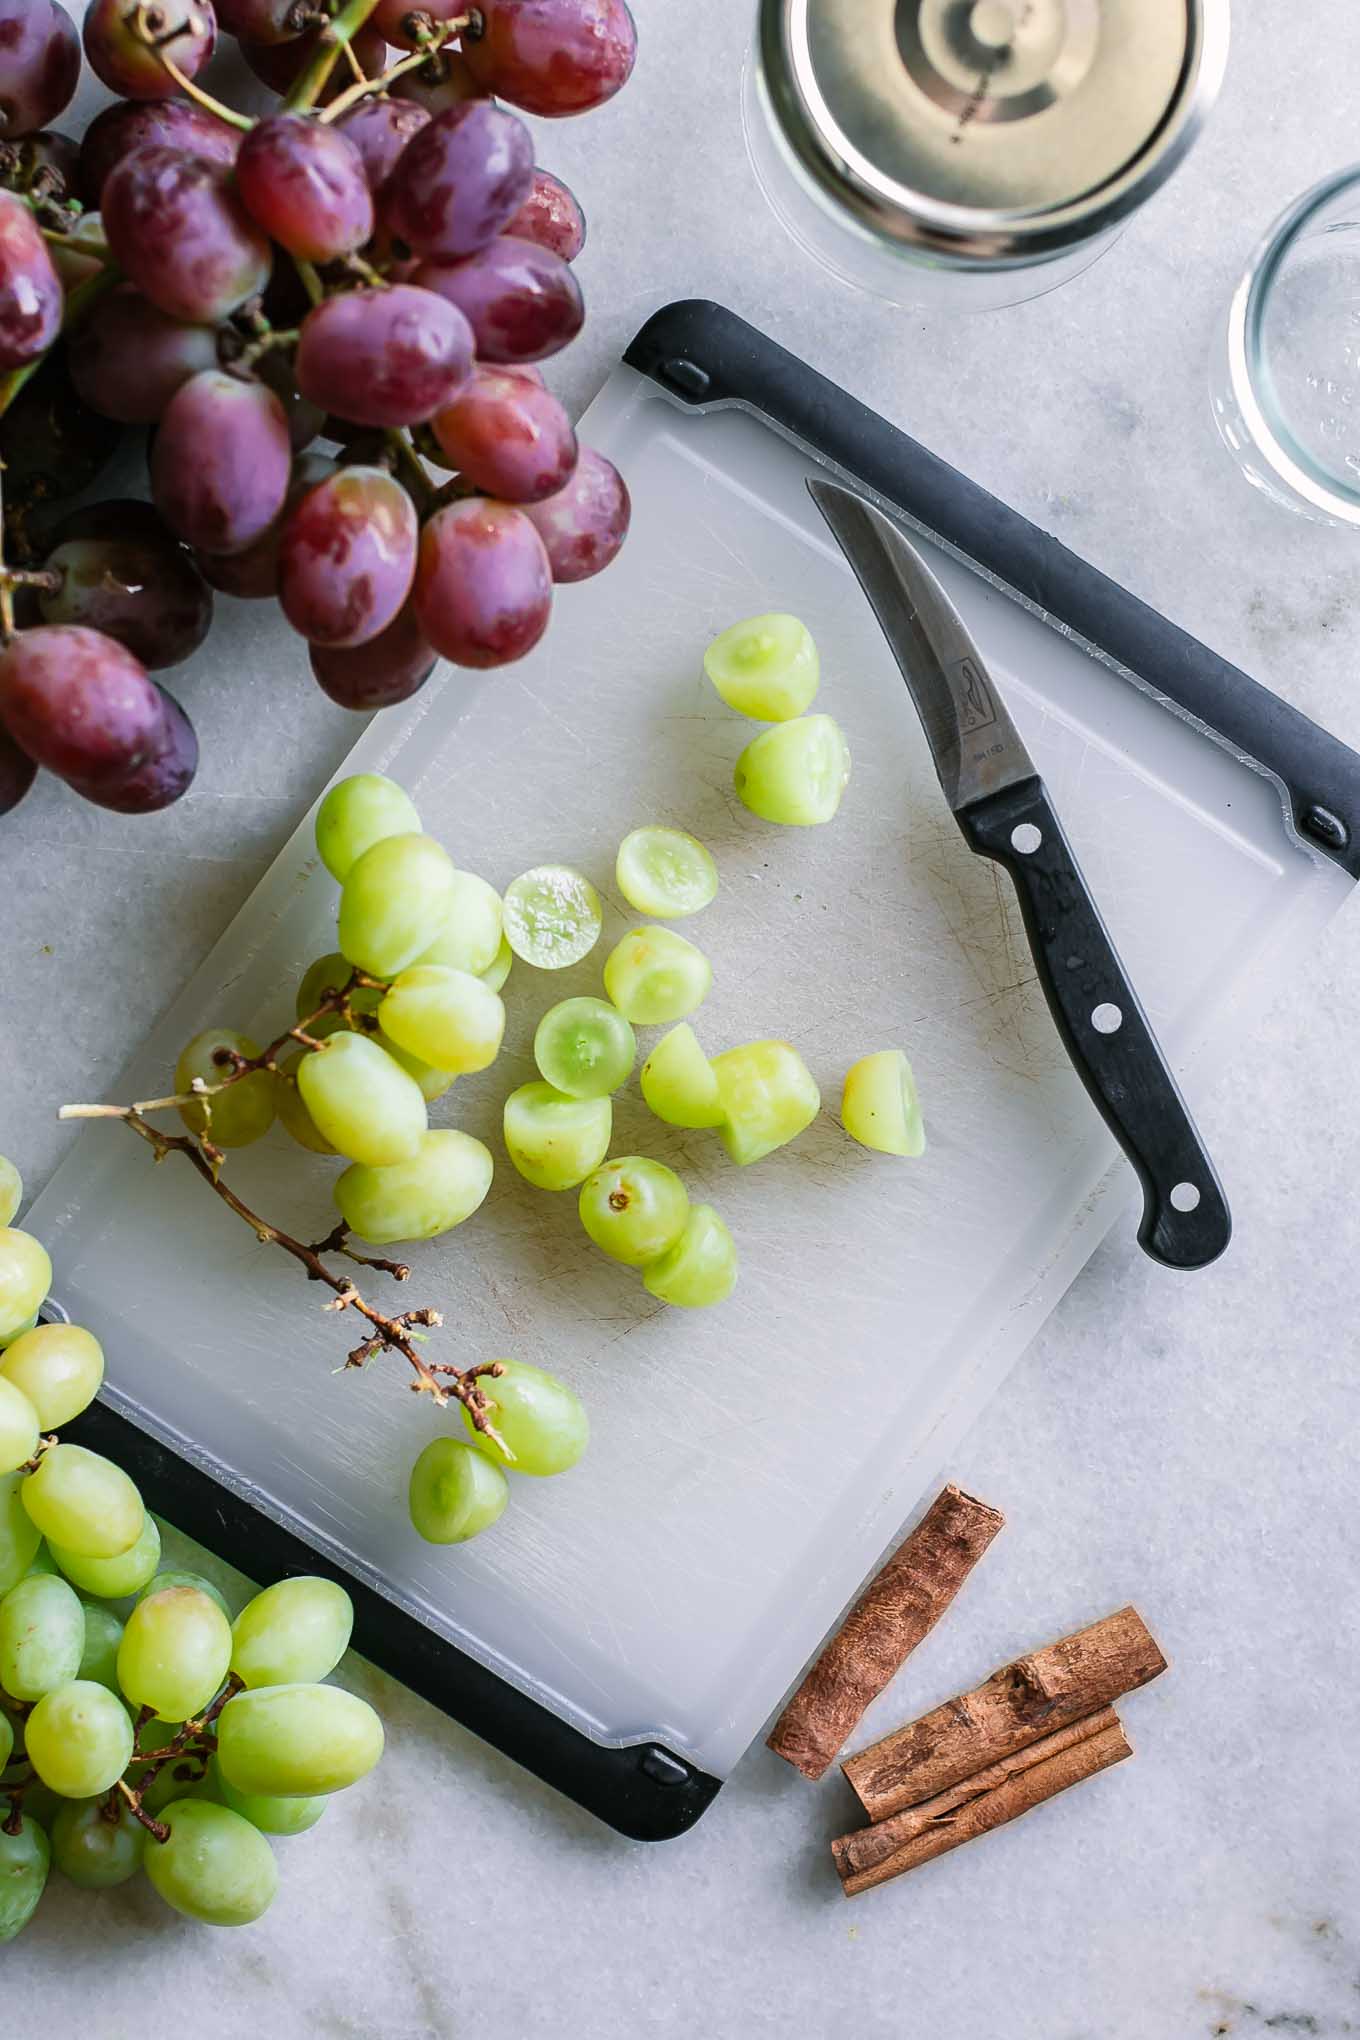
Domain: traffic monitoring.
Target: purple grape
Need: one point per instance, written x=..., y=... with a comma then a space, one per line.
x=263, y=21
x=483, y=588
x=52, y=444
x=552, y=56
x=163, y=775
x=305, y=185
x=163, y=123
x=221, y=462
x=176, y=225
x=508, y=435
x=390, y=667
x=459, y=180
x=78, y=702
x=552, y=216
x=347, y=557
x=390, y=17
x=380, y=130
x=278, y=65
x=17, y=772
x=39, y=64
x=253, y=575
x=384, y=357
x=122, y=61
x=146, y=593
x=585, y=523
x=30, y=293
x=128, y=357
x=522, y=301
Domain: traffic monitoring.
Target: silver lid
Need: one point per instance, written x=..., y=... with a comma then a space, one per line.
x=991, y=129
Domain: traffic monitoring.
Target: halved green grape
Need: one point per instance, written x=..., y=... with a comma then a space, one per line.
x=23, y=1873
x=95, y=1852
x=175, y=1652
x=768, y=1097
x=584, y=1047
x=766, y=667
x=294, y=1117
x=542, y=1421
x=8, y=1338
x=185, y=1579
x=432, y=1083
x=270, y=1816
x=555, y=1141
x=356, y=814
x=471, y=937
x=368, y=1108
x=498, y=970
x=295, y=1741
x=79, y=1739
x=25, y=1278
x=83, y=1501
x=111, y=1578
x=455, y=1492
x=796, y=772
x=42, y=1634
x=11, y=1189
x=394, y=902
x=58, y=1367
x=553, y=916
x=19, y=1534
x=444, y=1182
x=701, y=1268
x=879, y=1106
x=331, y=973
x=678, y=1081
x=294, y=1632
x=654, y=975
x=634, y=1209
x=665, y=873
x=99, y=1658
x=215, y=1867
x=235, y=1117
x=447, y=1017
x=18, y=1427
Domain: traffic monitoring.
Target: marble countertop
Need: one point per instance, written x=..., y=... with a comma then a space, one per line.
x=1188, y=1444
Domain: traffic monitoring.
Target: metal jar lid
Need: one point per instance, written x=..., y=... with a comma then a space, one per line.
x=991, y=130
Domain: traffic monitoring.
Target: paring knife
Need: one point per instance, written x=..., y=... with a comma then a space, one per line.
x=1002, y=806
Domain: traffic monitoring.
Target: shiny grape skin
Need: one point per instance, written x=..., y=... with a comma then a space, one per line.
x=508, y=435
x=253, y=575
x=388, y=668
x=147, y=594
x=277, y=64
x=553, y=56
x=259, y=21
x=79, y=703
x=166, y=123
x=521, y=301
x=347, y=557
x=221, y=463
x=122, y=61
x=178, y=229
x=384, y=357
x=30, y=294
x=305, y=185
x=584, y=525
x=552, y=216
x=39, y=65
x=160, y=779
x=17, y=771
x=380, y=130
x=483, y=589
x=451, y=83
x=128, y=357
x=459, y=180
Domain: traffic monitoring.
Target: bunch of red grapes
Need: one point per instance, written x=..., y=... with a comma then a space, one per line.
x=330, y=320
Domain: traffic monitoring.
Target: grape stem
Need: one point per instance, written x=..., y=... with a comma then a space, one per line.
x=147, y=26
x=311, y=81
x=98, y=251
x=194, y=1739
x=362, y=86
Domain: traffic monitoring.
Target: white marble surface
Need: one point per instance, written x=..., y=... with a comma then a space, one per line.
x=1188, y=1444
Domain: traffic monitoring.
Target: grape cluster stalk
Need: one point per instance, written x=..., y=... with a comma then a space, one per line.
x=330, y=318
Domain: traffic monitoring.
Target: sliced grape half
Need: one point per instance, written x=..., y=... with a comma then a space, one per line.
x=665, y=873
x=768, y=1097
x=654, y=975
x=766, y=667
x=678, y=1081
x=795, y=773
x=555, y=1141
x=701, y=1268
x=584, y=1047
x=552, y=916
x=879, y=1106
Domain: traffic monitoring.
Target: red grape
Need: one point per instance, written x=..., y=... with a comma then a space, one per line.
x=78, y=702
x=262, y=21
x=145, y=592
x=347, y=557
x=177, y=227
x=459, y=180
x=305, y=185
x=380, y=130
x=121, y=60
x=391, y=17
x=509, y=436
x=552, y=216
x=277, y=65
x=164, y=123
x=253, y=575
x=221, y=462
x=30, y=293
x=483, y=585
x=163, y=775
x=390, y=667
x=443, y=82
x=522, y=301
x=17, y=772
x=384, y=357
x=584, y=525
x=39, y=64
x=128, y=357
x=552, y=56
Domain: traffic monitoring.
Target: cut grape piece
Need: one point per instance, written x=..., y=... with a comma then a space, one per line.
x=542, y=1421
x=244, y=1112
x=678, y=1081
x=81, y=1500
x=222, y=462
x=296, y=1740
x=665, y=873
x=25, y=1278
x=396, y=898
x=444, y=1183
x=296, y=1630
x=11, y=1190
x=97, y=1853
x=24, y=1858
x=585, y=1048
x=18, y=1427
x=384, y=357
x=19, y=1534
x=460, y=180
x=358, y=812
x=305, y=184
x=654, y=975
x=294, y=1117
x=471, y=937
x=58, y=1367
x=483, y=588
x=796, y=772
x=552, y=216
x=362, y=1102
x=553, y=916
x=110, y=1578
x=552, y=57
x=701, y=1268
x=768, y=1097
x=185, y=1579
x=446, y=1017
x=215, y=1867
x=347, y=557
x=634, y=1209
x=130, y=65
x=500, y=967
x=455, y=1492
x=175, y=1651
x=79, y=1739
x=521, y=301
x=555, y=1141
x=270, y=1816
x=766, y=667
x=39, y=71
x=879, y=1106
x=99, y=1658
x=42, y=1635
x=179, y=231
x=30, y=289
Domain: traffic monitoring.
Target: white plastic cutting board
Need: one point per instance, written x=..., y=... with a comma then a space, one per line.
x=749, y=1464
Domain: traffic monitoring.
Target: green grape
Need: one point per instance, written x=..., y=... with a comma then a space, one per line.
x=185, y=1579
x=175, y=1652
x=879, y=1106
x=555, y=1141
x=356, y=814
x=84, y=1502
x=395, y=900
x=634, y=1209
x=455, y=1493
x=11, y=1190
x=18, y=1427
x=42, y=1635
x=444, y=1182
x=553, y=916
x=295, y=1741
x=768, y=1096
x=701, y=1268
x=665, y=873
x=331, y=973
x=59, y=1368
x=23, y=1873
x=653, y=975
x=79, y=1739
x=43, y=1561
x=6, y=1739
x=796, y=772
x=471, y=937
x=678, y=1081
x=270, y=1816
x=292, y=1634
x=19, y=1534
x=361, y=1102
x=93, y=1851
x=294, y=1117
x=25, y=1278
x=111, y=1578
x=584, y=1048
x=215, y=1867
x=432, y=1083
x=542, y=1421
x=8, y=1338
x=447, y=1017
x=239, y=1115
x=766, y=667
x=99, y=1657
x=498, y=970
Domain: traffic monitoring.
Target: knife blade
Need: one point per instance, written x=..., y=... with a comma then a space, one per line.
x=1002, y=807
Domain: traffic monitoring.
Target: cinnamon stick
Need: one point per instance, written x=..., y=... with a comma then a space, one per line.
x=902, y=1604
x=999, y=1793
x=1030, y=1698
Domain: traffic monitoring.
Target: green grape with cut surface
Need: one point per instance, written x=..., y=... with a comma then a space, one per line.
x=678, y=1081
x=665, y=873
x=795, y=773
x=765, y=667
x=444, y=1183
x=542, y=1421
x=296, y=1741
x=18, y=1427
x=84, y=1502
x=499, y=969
x=394, y=902
x=295, y=1632
x=357, y=813
x=175, y=1652
x=23, y=1873
x=362, y=1102
x=701, y=1268
x=446, y=1017
x=553, y=916
x=242, y=1113
x=471, y=937
x=111, y=1578
x=58, y=1367
x=294, y=1117
x=654, y=975
x=25, y=1278
x=584, y=1048
x=95, y=1852
x=186, y=1579
x=634, y=1209
x=19, y=1534
x=455, y=1492
x=11, y=1190
x=768, y=1097
x=555, y=1141
x=270, y=1816
x=42, y=1635
x=215, y=1867
x=99, y=1657
x=79, y=1739
x=879, y=1105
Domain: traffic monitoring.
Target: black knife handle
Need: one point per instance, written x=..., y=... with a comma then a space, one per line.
x=1107, y=1033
